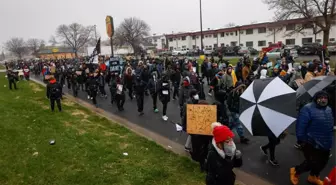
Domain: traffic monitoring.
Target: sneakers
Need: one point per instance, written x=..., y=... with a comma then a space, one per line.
x=263, y=151
x=315, y=180
x=156, y=110
x=293, y=177
x=165, y=118
x=88, y=97
x=273, y=162
x=297, y=146
x=141, y=113
x=187, y=149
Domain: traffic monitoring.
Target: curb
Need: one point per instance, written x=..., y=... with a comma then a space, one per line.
x=176, y=148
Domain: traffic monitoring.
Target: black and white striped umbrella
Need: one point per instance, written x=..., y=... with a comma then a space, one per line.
x=308, y=89
x=268, y=105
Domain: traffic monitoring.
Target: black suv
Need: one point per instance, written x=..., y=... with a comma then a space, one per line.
x=310, y=49
x=231, y=50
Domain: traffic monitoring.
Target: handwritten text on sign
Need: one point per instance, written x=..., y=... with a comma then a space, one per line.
x=199, y=118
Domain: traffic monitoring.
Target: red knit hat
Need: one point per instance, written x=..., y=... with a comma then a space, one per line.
x=222, y=133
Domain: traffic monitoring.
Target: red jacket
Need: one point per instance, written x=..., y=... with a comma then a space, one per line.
x=331, y=179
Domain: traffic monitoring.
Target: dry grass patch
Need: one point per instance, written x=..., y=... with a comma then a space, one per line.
x=124, y=145
x=35, y=87
x=68, y=102
x=80, y=113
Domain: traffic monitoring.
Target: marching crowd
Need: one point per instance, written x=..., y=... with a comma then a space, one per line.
x=183, y=79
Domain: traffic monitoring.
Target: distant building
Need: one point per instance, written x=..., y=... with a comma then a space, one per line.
x=254, y=35
x=158, y=41
x=56, y=53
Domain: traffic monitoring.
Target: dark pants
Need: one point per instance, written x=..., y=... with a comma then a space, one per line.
x=164, y=105
x=130, y=93
x=315, y=160
x=140, y=102
x=75, y=89
x=102, y=90
x=273, y=141
x=58, y=102
x=93, y=94
x=69, y=83
x=12, y=82
x=81, y=86
x=176, y=89
x=154, y=97
x=120, y=101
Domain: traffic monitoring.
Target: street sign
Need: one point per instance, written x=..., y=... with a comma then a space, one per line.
x=109, y=26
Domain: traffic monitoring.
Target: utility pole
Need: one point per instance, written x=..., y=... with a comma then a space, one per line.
x=95, y=29
x=201, y=26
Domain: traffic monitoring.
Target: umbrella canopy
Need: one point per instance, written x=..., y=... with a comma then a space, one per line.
x=308, y=89
x=268, y=105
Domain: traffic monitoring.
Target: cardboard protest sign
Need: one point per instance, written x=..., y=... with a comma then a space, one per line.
x=200, y=118
x=47, y=77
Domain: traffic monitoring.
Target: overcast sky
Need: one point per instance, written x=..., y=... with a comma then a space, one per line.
x=39, y=18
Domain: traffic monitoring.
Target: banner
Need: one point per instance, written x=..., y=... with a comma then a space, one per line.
x=114, y=64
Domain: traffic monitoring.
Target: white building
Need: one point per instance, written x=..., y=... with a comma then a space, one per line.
x=159, y=41
x=254, y=35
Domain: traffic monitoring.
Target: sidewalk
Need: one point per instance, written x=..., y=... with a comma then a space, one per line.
x=243, y=178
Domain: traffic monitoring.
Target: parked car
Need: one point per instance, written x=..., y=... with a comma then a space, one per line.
x=253, y=51
x=278, y=53
x=192, y=52
x=182, y=51
x=296, y=47
x=208, y=51
x=310, y=49
x=243, y=51
x=332, y=48
x=231, y=50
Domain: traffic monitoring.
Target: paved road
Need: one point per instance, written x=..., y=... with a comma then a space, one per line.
x=254, y=162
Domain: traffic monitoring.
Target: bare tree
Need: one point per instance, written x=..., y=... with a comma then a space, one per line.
x=16, y=46
x=230, y=25
x=318, y=12
x=2, y=56
x=53, y=41
x=75, y=35
x=34, y=45
x=132, y=31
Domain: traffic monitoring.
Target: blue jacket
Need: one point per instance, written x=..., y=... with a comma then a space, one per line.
x=315, y=126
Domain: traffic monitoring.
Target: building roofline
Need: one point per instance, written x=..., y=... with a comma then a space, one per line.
x=243, y=27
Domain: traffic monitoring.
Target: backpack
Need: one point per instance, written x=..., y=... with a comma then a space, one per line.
x=54, y=91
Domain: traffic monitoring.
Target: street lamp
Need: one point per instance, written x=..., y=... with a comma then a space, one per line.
x=201, y=26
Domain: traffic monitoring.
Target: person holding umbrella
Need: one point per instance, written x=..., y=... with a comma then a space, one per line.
x=314, y=130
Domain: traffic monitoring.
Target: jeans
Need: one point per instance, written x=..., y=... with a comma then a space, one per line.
x=315, y=160
x=236, y=124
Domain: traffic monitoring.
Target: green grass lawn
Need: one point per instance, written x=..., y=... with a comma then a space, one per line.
x=2, y=67
x=88, y=151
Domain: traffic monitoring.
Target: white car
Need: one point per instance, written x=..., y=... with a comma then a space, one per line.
x=332, y=47
x=208, y=51
x=277, y=53
x=183, y=51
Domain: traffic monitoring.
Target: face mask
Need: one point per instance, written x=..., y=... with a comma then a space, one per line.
x=327, y=61
x=299, y=67
x=322, y=102
x=196, y=97
x=229, y=148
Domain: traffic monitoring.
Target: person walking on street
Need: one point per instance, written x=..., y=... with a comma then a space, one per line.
x=139, y=89
x=153, y=90
x=164, y=94
x=92, y=88
x=54, y=94
x=314, y=130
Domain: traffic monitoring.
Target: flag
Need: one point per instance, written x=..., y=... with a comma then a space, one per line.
x=97, y=48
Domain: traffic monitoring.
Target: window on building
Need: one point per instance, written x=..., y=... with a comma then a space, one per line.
x=150, y=40
x=222, y=45
x=210, y=47
x=227, y=34
x=249, y=44
x=270, y=29
x=179, y=38
x=290, y=41
x=222, y=34
x=184, y=38
x=174, y=38
x=206, y=36
x=290, y=27
x=236, y=33
x=155, y=40
x=170, y=39
x=241, y=32
x=233, y=43
x=262, y=43
x=249, y=31
x=215, y=46
x=193, y=37
x=215, y=35
x=197, y=37
x=332, y=39
x=171, y=48
x=183, y=47
x=231, y=33
x=308, y=26
x=262, y=30
x=163, y=41
x=209, y=36
x=318, y=41
x=307, y=40
x=194, y=46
